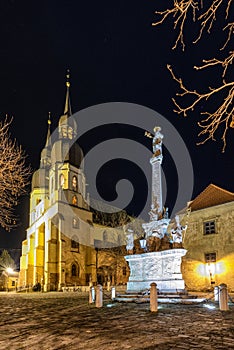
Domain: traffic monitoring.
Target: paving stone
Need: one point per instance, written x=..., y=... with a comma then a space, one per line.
x=66, y=321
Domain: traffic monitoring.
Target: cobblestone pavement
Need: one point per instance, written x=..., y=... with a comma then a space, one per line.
x=66, y=321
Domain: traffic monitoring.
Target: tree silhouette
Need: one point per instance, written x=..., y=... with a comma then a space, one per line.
x=6, y=261
x=14, y=175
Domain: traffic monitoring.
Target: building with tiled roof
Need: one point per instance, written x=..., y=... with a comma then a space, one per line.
x=209, y=240
x=211, y=196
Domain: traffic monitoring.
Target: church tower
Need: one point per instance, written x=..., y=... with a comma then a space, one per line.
x=58, y=250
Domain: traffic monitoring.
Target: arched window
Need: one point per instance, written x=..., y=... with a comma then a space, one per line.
x=74, y=183
x=75, y=271
x=75, y=243
x=61, y=180
x=74, y=200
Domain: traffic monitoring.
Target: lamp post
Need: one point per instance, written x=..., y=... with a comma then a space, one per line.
x=211, y=271
x=143, y=244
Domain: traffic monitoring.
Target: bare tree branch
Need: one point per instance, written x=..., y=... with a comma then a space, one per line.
x=179, y=12
x=14, y=175
x=222, y=116
x=230, y=27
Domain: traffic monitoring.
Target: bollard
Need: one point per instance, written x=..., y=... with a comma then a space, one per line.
x=223, y=297
x=99, y=301
x=112, y=293
x=153, y=297
x=91, y=295
x=216, y=293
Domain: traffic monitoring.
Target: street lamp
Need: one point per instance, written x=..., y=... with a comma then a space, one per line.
x=143, y=244
x=9, y=270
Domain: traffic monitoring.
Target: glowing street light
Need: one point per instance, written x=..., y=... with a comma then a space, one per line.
x=9, y=270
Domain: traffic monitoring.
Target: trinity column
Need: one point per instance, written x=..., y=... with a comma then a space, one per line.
x=160, y=259
x=156, y=162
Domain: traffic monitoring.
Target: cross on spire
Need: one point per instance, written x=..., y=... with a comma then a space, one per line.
x=67, y=107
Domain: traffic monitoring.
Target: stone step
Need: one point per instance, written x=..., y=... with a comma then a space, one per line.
x=175, y=296
x=177, y=300
x=163, y=297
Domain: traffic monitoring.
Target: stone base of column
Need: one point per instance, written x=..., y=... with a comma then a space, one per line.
x=163, y=268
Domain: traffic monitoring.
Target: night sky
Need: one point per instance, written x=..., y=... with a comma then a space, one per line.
x=114, y=55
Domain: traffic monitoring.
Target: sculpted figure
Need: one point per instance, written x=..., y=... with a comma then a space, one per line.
x=130, y=239
x=177, y=233
x=157, y=142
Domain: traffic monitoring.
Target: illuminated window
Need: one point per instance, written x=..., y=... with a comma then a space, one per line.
x=74, y=183
x=74, y=200
x=209, y=227
x=61, y=180
x=210, y=257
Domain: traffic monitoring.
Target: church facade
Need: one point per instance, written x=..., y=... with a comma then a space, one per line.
x=62, y=246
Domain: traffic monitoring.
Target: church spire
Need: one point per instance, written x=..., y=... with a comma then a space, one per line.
x=67, y=125
x=48, y=140
x=67, y=107
x=46, y=152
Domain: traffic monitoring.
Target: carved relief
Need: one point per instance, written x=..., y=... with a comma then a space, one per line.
x=168, y=267
x=136, y=269
x=153, y=269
